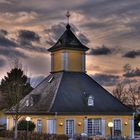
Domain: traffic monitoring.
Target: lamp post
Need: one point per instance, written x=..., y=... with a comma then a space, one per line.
x=28, y=119
x=110, y=125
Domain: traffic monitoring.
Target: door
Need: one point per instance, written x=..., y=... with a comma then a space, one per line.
x=117, y=127
x=69, y=127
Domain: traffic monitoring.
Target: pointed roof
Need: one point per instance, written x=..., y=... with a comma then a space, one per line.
x=67, y=93
x=68, y=41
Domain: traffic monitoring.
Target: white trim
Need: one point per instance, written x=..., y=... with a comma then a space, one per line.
x=86, y=125
x=64, y=60
x=7, y=123
x=121, y=125
x=51, y=126
x=132, y=128
x=74, y=130
x=103, y=127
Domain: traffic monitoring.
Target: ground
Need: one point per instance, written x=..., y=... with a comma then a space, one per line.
x=4, y=138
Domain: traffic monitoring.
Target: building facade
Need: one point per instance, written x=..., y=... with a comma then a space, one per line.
x=69, y=101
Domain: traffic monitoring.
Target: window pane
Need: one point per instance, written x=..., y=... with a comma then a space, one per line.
x=117, y=127
x=70, y=127
x=94, y=127
x=39, y=126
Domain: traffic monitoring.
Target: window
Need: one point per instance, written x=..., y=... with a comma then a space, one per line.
x=39, y=125
x=117, y=127
x=94, y=127
x=69, y=126
x=90, y=101
x=51, y=124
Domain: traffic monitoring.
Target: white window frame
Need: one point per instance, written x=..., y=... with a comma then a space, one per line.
x=114, y=125
x=93, y=127
x=90, y=101
x=37, y=125
x=70, y=119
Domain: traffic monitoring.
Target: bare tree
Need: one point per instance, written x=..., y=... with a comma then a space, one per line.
x=133, y=96
x=128, y=94
x=120, y=93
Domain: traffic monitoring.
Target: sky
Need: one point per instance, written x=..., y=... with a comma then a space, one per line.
x=110, y=28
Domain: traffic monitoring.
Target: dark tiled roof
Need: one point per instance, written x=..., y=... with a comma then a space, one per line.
x=67, y=93
x=68, y=41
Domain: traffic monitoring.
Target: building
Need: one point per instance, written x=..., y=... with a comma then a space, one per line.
x=69, y=101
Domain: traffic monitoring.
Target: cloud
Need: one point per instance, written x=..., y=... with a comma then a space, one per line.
x=100, y=51
x=7, y=42
x=132, y=73
x=132, y=54
x=3, y=32
x=106, y=79
x=28, y=35
x=2, y=62
x=12, y=53
x=55, y=31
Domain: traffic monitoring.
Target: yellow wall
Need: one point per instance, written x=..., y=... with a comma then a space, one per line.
x=74, y=61
x=78, y=129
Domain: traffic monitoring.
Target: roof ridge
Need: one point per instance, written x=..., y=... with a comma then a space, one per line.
x=54, y=97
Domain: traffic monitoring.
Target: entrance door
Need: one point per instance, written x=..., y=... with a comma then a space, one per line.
x=117, y=127
x=69, y=127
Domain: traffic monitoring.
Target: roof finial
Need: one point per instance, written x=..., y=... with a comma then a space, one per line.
x=68, y=16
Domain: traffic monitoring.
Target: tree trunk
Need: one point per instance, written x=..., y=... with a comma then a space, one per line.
x=16, y=131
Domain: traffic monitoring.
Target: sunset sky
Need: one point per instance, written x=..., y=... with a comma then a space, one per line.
x=110, y=28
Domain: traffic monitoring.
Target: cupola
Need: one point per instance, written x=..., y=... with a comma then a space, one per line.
x=68, y=54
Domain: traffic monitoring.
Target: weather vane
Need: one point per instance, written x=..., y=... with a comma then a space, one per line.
x=68, y=16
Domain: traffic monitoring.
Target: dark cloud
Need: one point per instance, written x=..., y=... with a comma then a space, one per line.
x=12, y=53
x=3, y=32
x=106, y=79
x=100, y=51
x=26, y=39
x=7, y=42
x=132, y=73
x=56, y=31
x=2, y=62
x=132, y=54
x=28, y=35
x=128, y=81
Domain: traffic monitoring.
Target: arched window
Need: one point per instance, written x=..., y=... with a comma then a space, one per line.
x=90, y=101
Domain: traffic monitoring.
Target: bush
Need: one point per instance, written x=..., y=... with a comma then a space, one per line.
x=22, y=125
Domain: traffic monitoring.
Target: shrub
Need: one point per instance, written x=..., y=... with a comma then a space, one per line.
x=22, y=125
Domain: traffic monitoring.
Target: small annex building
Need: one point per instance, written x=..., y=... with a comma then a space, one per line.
x=68, y=101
